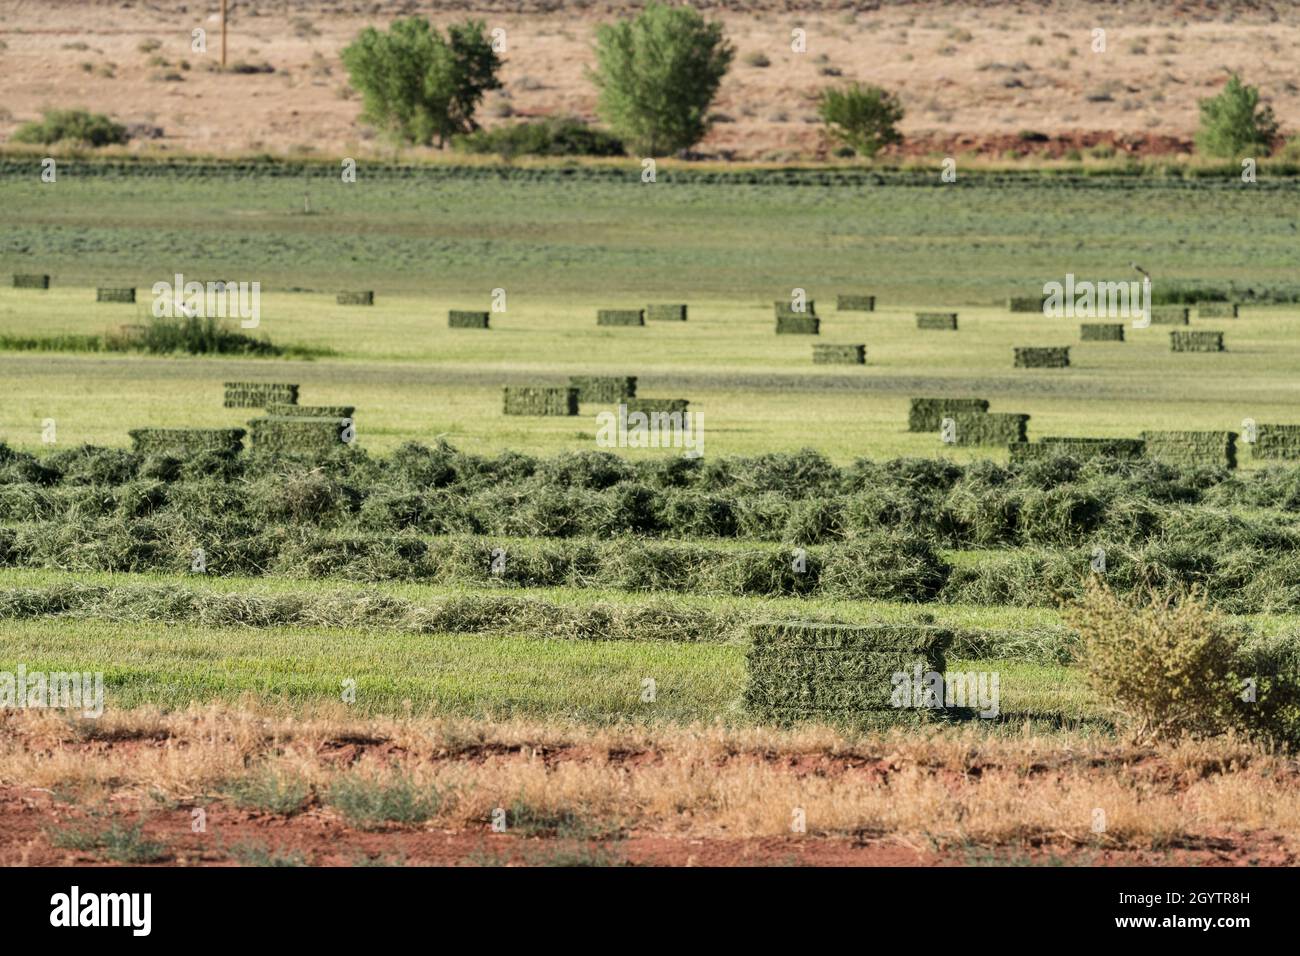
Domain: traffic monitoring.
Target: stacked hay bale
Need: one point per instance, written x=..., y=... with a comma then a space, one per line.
x=620, y=317
x=927, y=414
x=186, y=442
x=1080, y=449
x=603, y=388
x=989, y=428
x=1026, y=303
x=1216, y=310
x=665, y=313
x=1042, y=357
x=656, y=405
x=259, y=394
x=460, y=319
x=356, y=298
x=942, y=321
x=32, y=281
x=284, y=410
x=855, y=303
x=115, y=295
x=839, y=355
x=1102, y=331
x=1281, y=442
x=1201, y=340
x=540, y=400
x=1168, y=315
x=790, y=322
x=1214, y=449
x=296, y=434
x=858, y=674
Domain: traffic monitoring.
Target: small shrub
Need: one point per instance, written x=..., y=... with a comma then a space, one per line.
x=1233, y=123
x=864, y=118
x=80, y=126
x=549, y=137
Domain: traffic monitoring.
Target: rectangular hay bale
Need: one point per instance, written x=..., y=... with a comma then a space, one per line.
x=1042, y=357
x=655, y=405
x=1080, y=449
x=1025, y=303
x=366, y=297
x=943, y=321
x=1169, y=315
x=1216, y=310
x=285, y=410
x=1212, y=448
x=926, y=414
x=988, y=428
x=114, y=295
x=798, y=325
x=665, y=313
x=1200, y=340
x=1277, y=442
x=787, y=308
x=28, y=281
x=855, y=303
x=259, y=394
x=603, y=388
x=298, y=434
x=540, y=400
x=461, y=319
x=825, y=354
x=184, y=442
x=1102, y=331
x=620, y=317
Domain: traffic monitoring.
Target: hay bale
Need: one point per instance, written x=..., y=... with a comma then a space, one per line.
x=356, y=298
x=945, y=321
x=28, y=281
x=989, y=428
x=839, y=354
x=855, y=303
x=285, y=410
x=259, y=394
x=620, y=317
x=1102, y=331
x=297, y=435
x=1080, y=449
x=1042, y=357
x=1280, y=442
x=665, y=313
x=783, y=307
x=838, y=671
x=460, y=319
x=796, y=324
x=1216, y=310
x=1200, y=340
x=540, y=400
x=1169, y=315
x=115, y=295
x=603, y=388
x=1215, y=448
x=186, y=442
x=1026, y=303
x=926, y=414
x=655, y=405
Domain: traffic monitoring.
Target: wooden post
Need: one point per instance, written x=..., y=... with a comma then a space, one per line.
x=223, y=34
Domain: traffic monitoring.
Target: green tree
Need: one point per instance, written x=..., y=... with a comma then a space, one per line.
x=419, y=85
x=864, y=118
x=1233, y=123
x=657, y=75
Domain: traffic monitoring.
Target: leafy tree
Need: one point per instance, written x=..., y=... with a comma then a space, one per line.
x=419, y=85
x=657, y=75
x=864, y=118
x=1233, y=123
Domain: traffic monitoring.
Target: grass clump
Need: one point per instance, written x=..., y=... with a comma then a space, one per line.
x=371, y=802
x=118, y=843
x=270, y=790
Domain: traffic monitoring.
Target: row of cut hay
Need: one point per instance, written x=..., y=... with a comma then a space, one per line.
x=1042, y=357
x=989, y=428
x=839, y=672
x=187, y=442
x=1080, y=449
x=114, y=295
x=927, y=414
x=1215, y=449
x=1101, y=332
x=299, y=435
x=939, y=321
x=620, y=317
x=462, y=319
x=839, y=355
x=540, y=400
x=1277, y=442
x=1201, y=340
x=259, y=394
x=366, y=297
x=30, y=281
x=285, y=410
x=603, y=388
x=853, y=302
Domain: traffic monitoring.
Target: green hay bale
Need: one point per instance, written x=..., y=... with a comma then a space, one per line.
x=1080, y=449
x=855, y=303
x=839, y=671
x=296, y=434
x=459, y=319
x=654, y=405
x=665, y=313
x=1169, y=315
x=1214, y=449
x=798, y=325
x=1102, y=331
x=1042, y=357
x=927, y=414
x=1216, y=310
x=1280, y=442
x=839, y=355
x=366, y=297
x=536, y=400
x=1200, y=340
x=620, y=317
x=784, y=307
x=285, y=410
x=187, y=442
x=603, y=388
x=1025, y=303
x=22, y=281
x=943, y=321
x=115, y=295
x=989, y=428
x=259, y=394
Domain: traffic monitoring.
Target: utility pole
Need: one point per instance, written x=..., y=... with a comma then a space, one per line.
x=223, y=34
